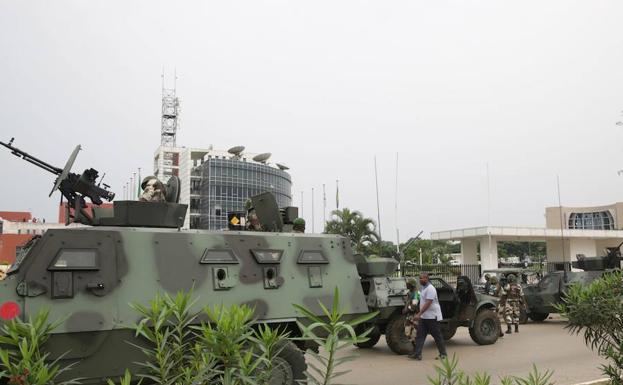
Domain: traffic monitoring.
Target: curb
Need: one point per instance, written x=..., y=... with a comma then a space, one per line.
x=603, y=381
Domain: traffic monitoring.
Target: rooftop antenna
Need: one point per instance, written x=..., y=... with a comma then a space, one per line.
x=170, y=113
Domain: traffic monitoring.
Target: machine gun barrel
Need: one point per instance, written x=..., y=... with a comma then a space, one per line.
x=31, y=159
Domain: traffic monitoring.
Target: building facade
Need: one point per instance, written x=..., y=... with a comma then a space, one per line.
x=228, y=181
x=585, y=232
x=215, y=182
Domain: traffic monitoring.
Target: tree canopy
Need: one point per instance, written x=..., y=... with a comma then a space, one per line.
x=352, y=224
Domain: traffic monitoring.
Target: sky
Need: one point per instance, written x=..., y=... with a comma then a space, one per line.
x=529, y=90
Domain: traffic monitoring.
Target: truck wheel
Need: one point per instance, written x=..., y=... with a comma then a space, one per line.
x=486, y=328
x=395, y=336
x=523, y=317
x=289, y=366
x=448, y=332
x=538, y=317
x=373, y=337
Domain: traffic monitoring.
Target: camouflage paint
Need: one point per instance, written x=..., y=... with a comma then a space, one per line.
x=136, y=263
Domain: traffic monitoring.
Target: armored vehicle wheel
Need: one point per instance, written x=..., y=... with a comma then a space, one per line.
x=373, y=337
x=486, y=328
x=538, y=317
x=523, y=317
x=448, y=332
x=395, y=335
x=289, y=366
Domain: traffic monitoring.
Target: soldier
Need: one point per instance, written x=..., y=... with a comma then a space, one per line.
x=512, y=299
x=253, y=222
x=298, y=226
x=495, y=291
x=411, y=308
x=153, y=190
x=487, y=283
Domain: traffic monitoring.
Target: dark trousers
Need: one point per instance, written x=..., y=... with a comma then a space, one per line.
x=426, y=327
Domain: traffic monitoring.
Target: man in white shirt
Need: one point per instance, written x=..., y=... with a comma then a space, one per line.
x=428, y=319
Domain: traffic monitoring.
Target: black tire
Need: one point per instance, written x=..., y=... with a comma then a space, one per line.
x=538, y=317
x=289, y=366
x=395, y=336
x=523, y=317
x=448, y=332
x=486, y=327
x=373, y=338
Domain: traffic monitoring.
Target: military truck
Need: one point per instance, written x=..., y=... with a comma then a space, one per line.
x=543, y=297
x=460, y=307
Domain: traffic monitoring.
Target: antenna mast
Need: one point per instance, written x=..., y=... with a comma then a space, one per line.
x=170, y=112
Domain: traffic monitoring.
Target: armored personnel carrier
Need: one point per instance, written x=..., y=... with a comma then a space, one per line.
x=88, y=275
x=543, y=297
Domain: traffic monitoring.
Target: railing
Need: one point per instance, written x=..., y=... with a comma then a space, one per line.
x=446, y=272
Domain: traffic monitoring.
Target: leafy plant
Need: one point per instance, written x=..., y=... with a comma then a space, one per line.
x=353, y=225
x=597, y=311
x=333, y=333
x=125, y=380
x=22, y=361
x=173, y=354
x=246, y=354
x=448, y=373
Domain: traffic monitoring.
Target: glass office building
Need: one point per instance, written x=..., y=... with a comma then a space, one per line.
x=227, y=182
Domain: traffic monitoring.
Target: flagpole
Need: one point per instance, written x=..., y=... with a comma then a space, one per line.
x=324, y=207
x=134, y=186
x=313, y=219
x=138, y=187
x=337, y=194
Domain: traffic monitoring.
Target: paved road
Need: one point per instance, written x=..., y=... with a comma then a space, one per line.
x=545, y=344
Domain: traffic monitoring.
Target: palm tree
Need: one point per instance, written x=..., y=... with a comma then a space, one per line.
x=352, y=224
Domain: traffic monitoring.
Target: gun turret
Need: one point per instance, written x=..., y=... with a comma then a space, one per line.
x=74, y=187
x=612, y=260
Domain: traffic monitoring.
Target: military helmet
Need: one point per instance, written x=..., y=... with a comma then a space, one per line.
x=146, y=180
x=411, y=282
x=487, y=276
x=494, y=280
x=248, y=204
x=511, y=278
x=299, y=222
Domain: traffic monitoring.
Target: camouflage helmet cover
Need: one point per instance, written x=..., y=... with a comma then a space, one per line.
x=511, y=278
x=411, y=282
x=494, y=280
x=146, y=180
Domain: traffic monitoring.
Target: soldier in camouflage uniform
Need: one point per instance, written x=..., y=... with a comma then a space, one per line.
x=495, y=291
x=253, y=222
x=411, y=308
x=512, y=300
x=153, y=190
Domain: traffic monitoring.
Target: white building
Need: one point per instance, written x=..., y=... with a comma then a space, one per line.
x=586, y=231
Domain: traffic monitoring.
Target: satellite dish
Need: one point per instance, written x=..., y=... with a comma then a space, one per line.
x=173, y=190
x=262, y=158
x=63, y=175
x=282, y=167
x=236, y=150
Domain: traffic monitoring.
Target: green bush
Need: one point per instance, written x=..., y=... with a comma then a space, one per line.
x=228, y=349
x=21, y=359
x=333, y=333
x=597, y=311
x=448, y=373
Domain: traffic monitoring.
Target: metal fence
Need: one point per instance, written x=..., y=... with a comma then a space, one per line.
x=446, y=272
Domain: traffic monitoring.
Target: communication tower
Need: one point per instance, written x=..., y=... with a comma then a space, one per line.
x=170, y=114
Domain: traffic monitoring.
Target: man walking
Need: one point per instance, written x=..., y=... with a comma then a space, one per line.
x=428, y=319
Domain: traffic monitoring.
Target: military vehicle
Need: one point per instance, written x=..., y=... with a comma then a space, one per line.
x=543, y=297
x=460, y=307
